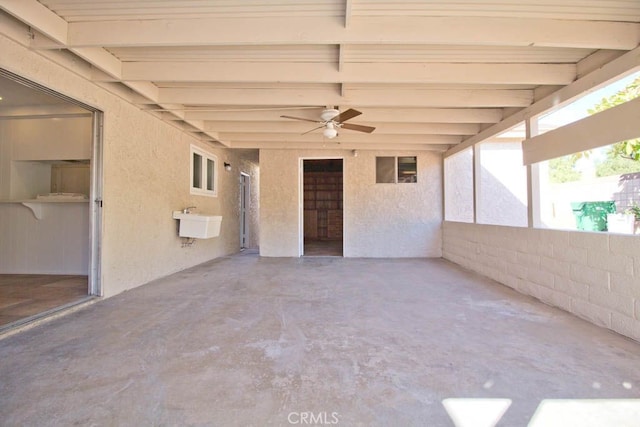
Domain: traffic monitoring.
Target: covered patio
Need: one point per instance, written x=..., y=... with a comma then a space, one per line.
x=245, y=340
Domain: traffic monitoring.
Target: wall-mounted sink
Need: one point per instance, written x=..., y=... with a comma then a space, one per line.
x=198, y=226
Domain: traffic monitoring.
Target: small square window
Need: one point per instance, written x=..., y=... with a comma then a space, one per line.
x=407, y=169
x=204, y=170
x=392, y=170
x=385, y=170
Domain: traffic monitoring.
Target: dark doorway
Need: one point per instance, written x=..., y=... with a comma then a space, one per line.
x=323, y=207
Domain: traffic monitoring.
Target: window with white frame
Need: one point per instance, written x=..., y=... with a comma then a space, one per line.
x=392, y=170
x=204, y=173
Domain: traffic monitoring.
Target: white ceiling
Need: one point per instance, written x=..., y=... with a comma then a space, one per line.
x=426, y=74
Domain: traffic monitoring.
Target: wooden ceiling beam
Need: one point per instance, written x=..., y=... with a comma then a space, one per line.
x=281, y=125
x=356, y=97
x=344, y=136
x=298, y=72
x=337, y=145
x=374, y=115
x=39, y=17
x=477, y=31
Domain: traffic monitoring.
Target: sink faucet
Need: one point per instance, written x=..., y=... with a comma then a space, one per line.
x=187, y=210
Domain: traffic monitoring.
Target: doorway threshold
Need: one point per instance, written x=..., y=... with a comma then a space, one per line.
x=46, y=316
x=330, y=248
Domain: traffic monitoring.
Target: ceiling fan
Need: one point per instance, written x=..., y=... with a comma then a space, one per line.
x=331, y=120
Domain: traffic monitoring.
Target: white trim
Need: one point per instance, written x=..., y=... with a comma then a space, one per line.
x=205, y=155
x=608, y=127
x=245, y=195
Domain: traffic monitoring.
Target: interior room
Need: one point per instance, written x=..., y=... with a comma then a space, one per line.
x=350, y=212
x=45, y=184
x=323, y=207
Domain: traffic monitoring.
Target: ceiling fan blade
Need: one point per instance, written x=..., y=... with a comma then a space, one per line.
x=346, y=115
x=309, y=131
x=359, y=128
x=301, y=118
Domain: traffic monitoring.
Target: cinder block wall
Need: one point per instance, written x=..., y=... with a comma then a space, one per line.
x=595, y=276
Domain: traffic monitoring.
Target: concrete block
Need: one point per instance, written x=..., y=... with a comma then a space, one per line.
x=517, y=270
x=510, y=281
x=488, y=260
x=503, y=278
x=589, y=276
x=528, y=288
x=626, y=326
x=570, y=254
x=556, y=238
x=456, y=259
x=620, y=244
x=539, y=248
x=541, y=277
x=491, y=273
x=528, y=260
x=554, y=298
x=591, y=312
x=604, y=260
x=515, y=238
x=589, y=240
x=571, y=288
x=557, y=267
x=624, y=284
x=509, y=256
x=488, y=249
x=620, y=303
x=486, y=233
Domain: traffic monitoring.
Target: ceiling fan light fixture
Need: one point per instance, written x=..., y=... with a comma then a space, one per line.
x=329, y=114
x=330, y=132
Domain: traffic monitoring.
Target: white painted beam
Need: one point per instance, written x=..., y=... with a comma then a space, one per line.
x=292, y=126
x=55, y=28
x=336, y=145
x=372, y=115
x=37, y=16
x=592, y=81
x=356, y=97
x=102, y=60
x=616, y=124
x=348, y=7
x=370, y=30
x=344, y=136
x=146, y=90
x=299, y=72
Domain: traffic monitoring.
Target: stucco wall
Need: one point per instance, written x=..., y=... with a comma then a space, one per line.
x=146, y=177
x=380, y=220
x=458, y=186
x=593, y=275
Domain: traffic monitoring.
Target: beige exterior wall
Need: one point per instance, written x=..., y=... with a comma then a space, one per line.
x=593, y=275
x=380, y=220
x=146, y=177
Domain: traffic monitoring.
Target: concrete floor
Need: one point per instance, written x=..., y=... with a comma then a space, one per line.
x=248, y=341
